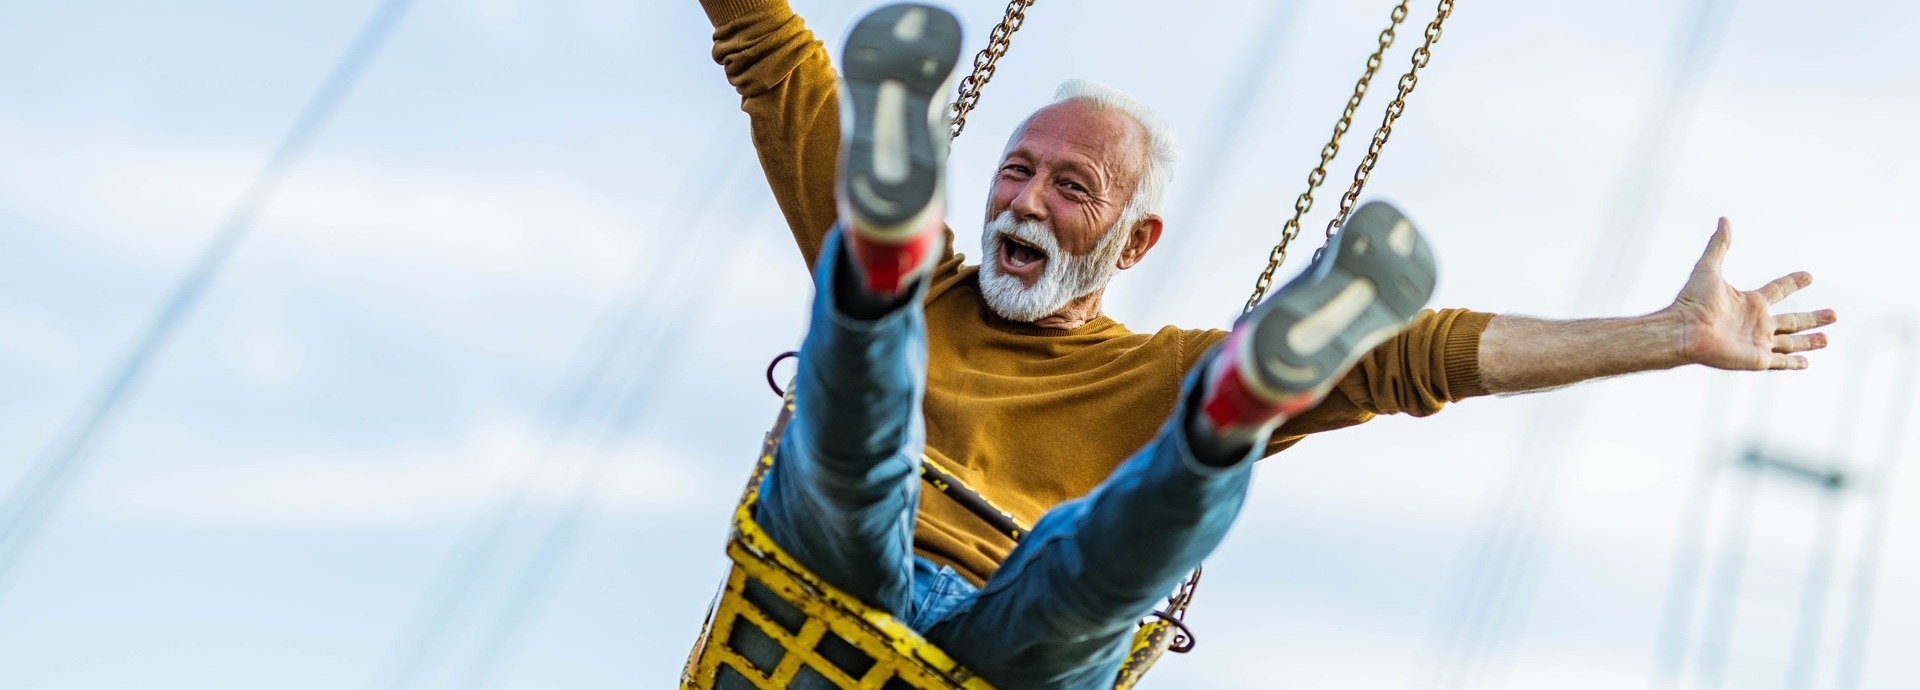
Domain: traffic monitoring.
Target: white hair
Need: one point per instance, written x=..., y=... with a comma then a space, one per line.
x=1150, y=195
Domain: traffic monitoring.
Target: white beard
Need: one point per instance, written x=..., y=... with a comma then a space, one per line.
x=1067, y=276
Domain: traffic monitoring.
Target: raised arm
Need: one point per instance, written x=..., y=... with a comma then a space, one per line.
x=790, y=93
x=1710, y=323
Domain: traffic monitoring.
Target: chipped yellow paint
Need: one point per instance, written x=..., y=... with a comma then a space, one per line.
x=897, y=651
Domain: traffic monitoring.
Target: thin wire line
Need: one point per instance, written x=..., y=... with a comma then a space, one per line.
x=1822, y=552
x=1225, y=138
x=1690, y=546
x=1488, y=583
x=1716, y=637
x=459, y=575
x=1853, y=649
x=39, y=494
x=532, y=588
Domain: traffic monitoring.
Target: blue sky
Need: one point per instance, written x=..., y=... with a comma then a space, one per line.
x=518, y=190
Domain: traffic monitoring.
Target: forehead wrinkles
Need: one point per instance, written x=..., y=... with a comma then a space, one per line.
x=1095, y=137
x=1067, y=152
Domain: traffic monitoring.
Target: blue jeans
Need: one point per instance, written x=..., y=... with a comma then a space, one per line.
x=1061, y=610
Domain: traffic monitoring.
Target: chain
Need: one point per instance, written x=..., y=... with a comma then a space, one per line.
x=1399, y=104
x=1302, y=204
x=984, y=62
x=1181, y=599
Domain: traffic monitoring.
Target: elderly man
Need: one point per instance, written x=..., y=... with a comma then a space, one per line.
x=1129, y=451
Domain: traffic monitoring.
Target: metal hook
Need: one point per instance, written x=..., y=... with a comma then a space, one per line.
x=776, y=362
x=1183, y=639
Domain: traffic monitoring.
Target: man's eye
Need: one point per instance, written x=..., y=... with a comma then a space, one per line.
x=1074, y=187
x=1016, y=169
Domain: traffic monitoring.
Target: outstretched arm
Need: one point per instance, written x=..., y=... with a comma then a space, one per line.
x=1710, y=323
x=790, y=93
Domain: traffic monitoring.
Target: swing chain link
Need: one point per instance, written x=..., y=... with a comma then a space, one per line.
x=1407, y=81
x=1304, y=203
x=1183, y=639
x=985, y=61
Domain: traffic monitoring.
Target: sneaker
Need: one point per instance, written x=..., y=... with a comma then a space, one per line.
x=1284, y=356
x=893, y=155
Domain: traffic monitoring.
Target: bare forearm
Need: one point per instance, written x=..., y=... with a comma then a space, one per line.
x=1520, y=354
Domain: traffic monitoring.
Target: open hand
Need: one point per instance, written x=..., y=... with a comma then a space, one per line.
x=1726, y=328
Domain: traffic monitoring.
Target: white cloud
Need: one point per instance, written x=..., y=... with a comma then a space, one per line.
x=413, y=486
x=30, y=343
x=608, y=23
x=126, y=194
x=1509, y=149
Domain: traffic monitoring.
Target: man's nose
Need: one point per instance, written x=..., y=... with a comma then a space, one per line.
x=1028, y=203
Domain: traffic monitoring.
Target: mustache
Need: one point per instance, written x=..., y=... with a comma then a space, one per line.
x=1029, y=232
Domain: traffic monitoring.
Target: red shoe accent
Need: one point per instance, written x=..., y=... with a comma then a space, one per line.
x=1230, y=402
x=887, y=269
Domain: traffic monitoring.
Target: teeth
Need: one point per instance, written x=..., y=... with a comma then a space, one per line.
x=1017, y=253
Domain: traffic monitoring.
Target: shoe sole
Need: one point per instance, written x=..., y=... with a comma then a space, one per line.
x=1375, y=278
x=894, y=68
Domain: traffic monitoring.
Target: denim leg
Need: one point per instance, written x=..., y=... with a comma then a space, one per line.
x=845, y=483
x=1061, y=611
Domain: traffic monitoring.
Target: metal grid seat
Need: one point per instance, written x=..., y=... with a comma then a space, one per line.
x=826, y=633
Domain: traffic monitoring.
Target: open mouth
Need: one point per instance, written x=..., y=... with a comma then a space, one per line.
x=1019, y=258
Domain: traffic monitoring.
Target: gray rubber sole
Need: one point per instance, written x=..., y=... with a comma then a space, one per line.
x=1374, y=278
x=894, y=69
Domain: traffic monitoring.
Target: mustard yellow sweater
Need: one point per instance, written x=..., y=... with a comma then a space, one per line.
x=1030, y=417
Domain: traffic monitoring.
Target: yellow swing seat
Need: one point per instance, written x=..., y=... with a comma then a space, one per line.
x=842, y=640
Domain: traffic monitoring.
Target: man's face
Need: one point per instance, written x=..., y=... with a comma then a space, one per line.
x=1051, y=214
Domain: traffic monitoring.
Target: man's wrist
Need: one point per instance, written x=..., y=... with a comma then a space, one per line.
x=1664, y=334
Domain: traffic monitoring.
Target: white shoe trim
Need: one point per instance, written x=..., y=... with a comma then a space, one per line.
x=1320, y=327
x=891, y=163
x=911, y=26
x=1402, y=237
x=870, y=198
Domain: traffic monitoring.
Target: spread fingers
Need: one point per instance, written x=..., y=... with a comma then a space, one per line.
x=1785, y=285
x=1799, y=343
x=1800, y=321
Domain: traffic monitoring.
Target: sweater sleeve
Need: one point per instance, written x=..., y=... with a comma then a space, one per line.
x=1436, y=360
x=789, y=91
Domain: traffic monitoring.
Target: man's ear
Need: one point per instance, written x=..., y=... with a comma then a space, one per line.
x=1141, y=237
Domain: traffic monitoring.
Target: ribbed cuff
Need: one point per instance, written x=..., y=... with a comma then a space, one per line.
x=722, y=11
x=1462, y=360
